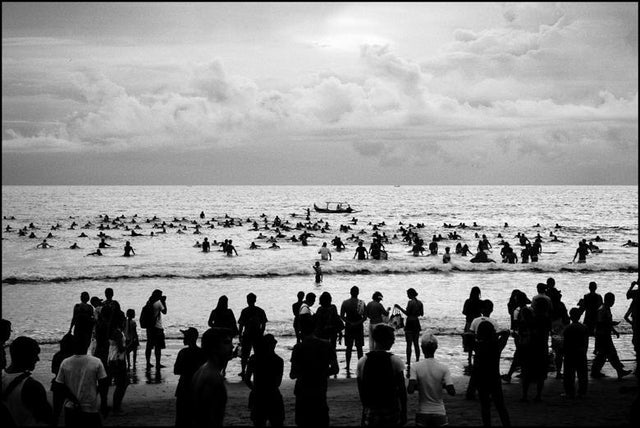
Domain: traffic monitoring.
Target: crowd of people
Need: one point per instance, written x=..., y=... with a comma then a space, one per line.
x=101, y=345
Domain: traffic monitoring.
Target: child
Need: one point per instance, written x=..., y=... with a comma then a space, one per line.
x=318, y=271
x=66, y=350
x=131, y=337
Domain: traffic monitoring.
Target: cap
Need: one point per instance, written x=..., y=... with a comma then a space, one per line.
x=191, y=331
x=428, y=339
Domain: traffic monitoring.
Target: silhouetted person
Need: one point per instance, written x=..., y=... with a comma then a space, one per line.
x=188, y=361
x=328, y=322
x=576, y=341
x=223, y=317
x=312, y=362
x=375, y=312
x=24, y=397
x=295, y=308
x=604, y=348
x=412, y=328
x=66, y=350
x=155, y=332
x=534, y=343
x=381, y=382
x=590, y=304
x=252, y=323
x=82, y=321
x=472, y=309
x=264, y=376
x=352, y=312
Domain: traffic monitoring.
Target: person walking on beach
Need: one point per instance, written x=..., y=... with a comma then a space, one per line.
x=223, y=317
x=414, y=310
x=155, y=332
x=82, y=321
x=296, y=315
x=312, y=362
x=252, y=322
x=589, y=304
x=264, y=376
x=428, y=377
x=208, y=393
x=472, y=309
x=381, y=385
x=486, y=371
x=128, y=250
x=81, y=379
x=375, y=311
x=604, y=347
x=24, y=399
x=576, y=341
x=518, y=301
x=352, y=312
x=188, y=361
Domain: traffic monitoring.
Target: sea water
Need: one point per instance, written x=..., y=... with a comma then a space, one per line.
x=41, y=286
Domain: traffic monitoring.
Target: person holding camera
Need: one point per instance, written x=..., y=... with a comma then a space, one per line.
x=155, y=333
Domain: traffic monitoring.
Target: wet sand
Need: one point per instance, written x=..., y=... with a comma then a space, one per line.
x=150, y=401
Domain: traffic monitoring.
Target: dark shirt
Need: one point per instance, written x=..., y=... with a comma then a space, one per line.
x=472, y=309
x=224, y=319
x=312, y=362
x=591, y=303
x=267, y=372
x=252, y=320
x=576, y=340
x=187, y=363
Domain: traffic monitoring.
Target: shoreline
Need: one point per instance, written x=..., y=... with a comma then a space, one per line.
x=150, y=400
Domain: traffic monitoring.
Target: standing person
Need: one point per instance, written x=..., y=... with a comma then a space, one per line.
x=352, y=312
x=471, y=310
x=375, y=311
x=576, y=341
x=486, y=371
x=66, y=350
x=82, y=318
x=128, y=250
x=305, y=307
x=559, y=321
x=208, y=391
x=604, y=348
x=312, y=362
x=581, y=252
x=631, y=316
x=5, y=334
x=266, y=368
x=230, y=249
x=252, y=323
x=325, y=253
x=521, y=301
x=487, y=309
x=131, y=339
x=415, y=309
x=23, y=397
x=381, y=383
x=361, y=252
x=590, y=303
x=535, y=327
x=223, y=317
x=80, y=380
x=428, y=377
x=155, y=333
x=296, y=315
x=206, y=245
x=117, y=369
x=318, y=271
x=328, y=323
x=446, y=257
x=188, y=361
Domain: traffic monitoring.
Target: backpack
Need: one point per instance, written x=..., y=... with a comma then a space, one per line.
x=378, y=382
x=147, y=316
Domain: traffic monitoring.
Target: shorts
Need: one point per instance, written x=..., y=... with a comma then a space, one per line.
x=468, y=340
x=412, y=325
x=155, y=338
x=431, y=420
x=353, y=335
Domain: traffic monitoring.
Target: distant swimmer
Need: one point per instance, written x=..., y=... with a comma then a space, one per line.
x=206, y=246
x=253, y=246
x=558, y=226
x=201, y=214
x=274, y=246
x=361, y=252
x=446, y=257
x=134, y=233
x=44, y=244
x=95, y=253
x=32, y=235
x=630, y=243
x=103, y=244
x=599, y=239
x=128, y=250
x=75, y=246
x=197, y=245
x=594, y=248
x=230, y=249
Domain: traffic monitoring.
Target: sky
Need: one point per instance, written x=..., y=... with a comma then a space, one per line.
x=319, y=93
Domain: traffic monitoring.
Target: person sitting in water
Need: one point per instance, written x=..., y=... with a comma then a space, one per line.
x=44, y=244
x=128, y=250
x=95, y=253
x=74, y=246
x=103, y=244
x=253, y=246
x=481, y=257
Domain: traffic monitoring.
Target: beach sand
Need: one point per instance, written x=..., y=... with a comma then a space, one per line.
x=150, y=400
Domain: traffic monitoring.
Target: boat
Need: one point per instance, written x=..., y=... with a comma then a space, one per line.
x=335, y=208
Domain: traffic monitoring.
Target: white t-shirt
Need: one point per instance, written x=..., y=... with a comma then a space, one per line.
x=431, y=376
x=81, y=373
x=157, y=310
x=305, y=310
x=324, y=253
x=476, y=322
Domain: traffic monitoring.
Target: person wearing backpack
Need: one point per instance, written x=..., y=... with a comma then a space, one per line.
x=381, y=382
x=24, y=399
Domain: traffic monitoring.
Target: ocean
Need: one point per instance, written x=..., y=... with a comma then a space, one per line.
x=41, y=286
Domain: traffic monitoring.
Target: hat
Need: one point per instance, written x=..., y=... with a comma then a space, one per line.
x=191, y=331
x=428, y=339
x=376, y=295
